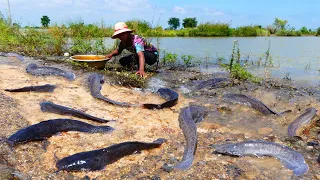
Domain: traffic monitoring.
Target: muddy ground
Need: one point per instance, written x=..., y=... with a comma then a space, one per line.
x=225, y=123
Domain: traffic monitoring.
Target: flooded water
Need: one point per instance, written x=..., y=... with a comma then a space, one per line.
x=297, y=58
x=224, y=123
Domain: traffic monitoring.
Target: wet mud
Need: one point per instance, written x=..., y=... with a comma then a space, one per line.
x=224, y=123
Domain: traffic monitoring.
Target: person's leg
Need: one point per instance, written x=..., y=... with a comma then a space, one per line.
x=150, y=58
x=128, y=60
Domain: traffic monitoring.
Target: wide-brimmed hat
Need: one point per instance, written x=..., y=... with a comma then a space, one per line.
x=119, y=28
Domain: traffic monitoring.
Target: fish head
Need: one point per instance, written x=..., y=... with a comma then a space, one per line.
x=78, y=163
x=31, y=66
x=227, y=149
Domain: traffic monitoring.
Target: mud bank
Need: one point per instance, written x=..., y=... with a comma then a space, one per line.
x=225, y=123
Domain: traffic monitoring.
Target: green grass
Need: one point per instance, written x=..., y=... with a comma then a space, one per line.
x=236, y=70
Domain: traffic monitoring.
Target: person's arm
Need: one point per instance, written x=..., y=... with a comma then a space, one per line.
x=113, y=53
x=141, y=64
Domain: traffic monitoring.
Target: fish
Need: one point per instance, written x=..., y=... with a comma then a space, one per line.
x=252, y=102
x=48, y=106
x=168, y=94
x=95, y=84
x=290, y=158
x=98, y=159
x=189, y=129
x=44, y=71
x=301, y=120
x=10, y=54
x=215, y=82
x=41, y=88
x=46, y=129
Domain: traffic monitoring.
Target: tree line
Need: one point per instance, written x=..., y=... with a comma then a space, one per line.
x=279, y=25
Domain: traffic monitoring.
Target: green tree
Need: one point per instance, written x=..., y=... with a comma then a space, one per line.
x=318, y=31
x=174, y=23
x=304, y=30
x=16, y=25
x=45, y=20
x=280, y=24
x=189, y=22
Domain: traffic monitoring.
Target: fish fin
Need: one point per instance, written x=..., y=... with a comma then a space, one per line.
x=301, y=170
x=297, y=170
x=286, y=164
x=6, y=140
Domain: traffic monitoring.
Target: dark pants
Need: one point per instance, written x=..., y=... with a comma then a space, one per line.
x=127, y=61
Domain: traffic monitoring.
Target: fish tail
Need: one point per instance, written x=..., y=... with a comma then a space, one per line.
x=185, y=164
x=160, y=141
x=284, y=112
x=70, y=76
x=102, y=129
x=6, y=140
x=152, y=106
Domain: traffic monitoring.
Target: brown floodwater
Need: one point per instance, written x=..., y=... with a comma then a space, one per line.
x=225, y=122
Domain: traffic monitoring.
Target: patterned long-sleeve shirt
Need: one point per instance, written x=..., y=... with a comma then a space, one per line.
x=138, y=44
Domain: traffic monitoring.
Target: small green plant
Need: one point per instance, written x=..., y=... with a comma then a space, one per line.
x=236, y=70
x=308, y=67
x=170, y=59
x=287, y=77
x=234, y=55
x=187, y=60
x=126, y=78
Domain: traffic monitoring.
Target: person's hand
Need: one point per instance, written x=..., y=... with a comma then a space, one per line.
x=108, y=56
x=141, y=73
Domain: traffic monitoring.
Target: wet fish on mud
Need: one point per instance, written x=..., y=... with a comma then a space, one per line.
x=290, y=158
x=215, y=82
x=41, y=88
x=98, y=159
x=301, y=120
x=170, y=95
x=252, y=102
x=189, y=129
x=44, y=71
x=46, y=129
x=10, y=54
x=48, y=106
x=95, y=85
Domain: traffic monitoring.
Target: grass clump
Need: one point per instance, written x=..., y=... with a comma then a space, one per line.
x=236, y=70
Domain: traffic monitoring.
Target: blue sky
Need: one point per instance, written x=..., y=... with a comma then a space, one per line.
x=235, y=12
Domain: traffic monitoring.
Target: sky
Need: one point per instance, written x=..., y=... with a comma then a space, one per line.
x=157, y=12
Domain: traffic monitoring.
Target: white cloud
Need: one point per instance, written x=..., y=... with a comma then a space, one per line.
x=126, y=5
x=178, y=9
x=41, y=3
x=213, y=12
